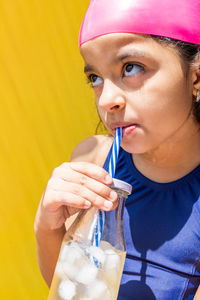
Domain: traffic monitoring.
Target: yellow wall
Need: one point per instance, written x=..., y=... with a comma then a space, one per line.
x=45, y=111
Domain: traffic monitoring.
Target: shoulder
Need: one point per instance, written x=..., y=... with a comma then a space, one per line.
x=93, y=149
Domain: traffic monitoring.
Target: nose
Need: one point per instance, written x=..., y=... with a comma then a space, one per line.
x=112, y=97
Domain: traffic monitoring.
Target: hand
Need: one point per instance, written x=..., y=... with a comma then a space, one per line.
x=74, y=186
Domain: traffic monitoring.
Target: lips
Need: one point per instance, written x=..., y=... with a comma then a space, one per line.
x=127, y=128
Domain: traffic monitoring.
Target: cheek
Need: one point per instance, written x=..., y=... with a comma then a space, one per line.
x=162, y=109
x=168, y=115
x=102, y=114
x=163, y=98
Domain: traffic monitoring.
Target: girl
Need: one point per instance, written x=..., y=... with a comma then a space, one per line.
x=142, y=59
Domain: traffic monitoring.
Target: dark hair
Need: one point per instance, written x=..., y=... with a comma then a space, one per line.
x=188, y=53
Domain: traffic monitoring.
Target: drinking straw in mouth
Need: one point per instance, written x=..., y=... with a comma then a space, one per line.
x=115, y=151
x=111, y=171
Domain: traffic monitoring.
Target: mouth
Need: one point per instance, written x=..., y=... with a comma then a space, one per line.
x=126, y=128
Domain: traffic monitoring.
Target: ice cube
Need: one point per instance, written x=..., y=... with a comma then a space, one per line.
x=87, y=274
x=59, y=270
x=98, y=290
x=112, y=260
x=70, y=269
x=72, y=253
x=96, y=253
x=67, y=289
x=75, y=253
x=64, y=252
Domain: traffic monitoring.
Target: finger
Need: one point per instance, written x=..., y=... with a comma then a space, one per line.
x=97, y=187
x=91, y=170
x=53, y=200
x=57, y=184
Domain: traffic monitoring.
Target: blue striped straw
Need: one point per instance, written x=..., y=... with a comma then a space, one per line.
x=115, y=152
x=111, y=171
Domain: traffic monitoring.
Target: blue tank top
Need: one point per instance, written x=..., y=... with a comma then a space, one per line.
x=162, y=233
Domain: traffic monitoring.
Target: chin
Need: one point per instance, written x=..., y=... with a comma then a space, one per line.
x=134, y=149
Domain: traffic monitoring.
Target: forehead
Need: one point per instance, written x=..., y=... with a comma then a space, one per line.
x=119, y=44
x=114, y=41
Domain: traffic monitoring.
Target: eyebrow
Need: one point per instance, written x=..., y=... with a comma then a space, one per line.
x=137, y=54
x=88, y=68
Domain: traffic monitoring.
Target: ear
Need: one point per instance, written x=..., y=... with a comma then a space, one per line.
x=196, y=76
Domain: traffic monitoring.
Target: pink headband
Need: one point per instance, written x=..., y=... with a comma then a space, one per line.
x=177, y=19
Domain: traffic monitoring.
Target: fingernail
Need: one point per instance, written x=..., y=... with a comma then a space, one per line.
x=87, y=203
x=107, y=204
x=113, y=195
x=108, y=179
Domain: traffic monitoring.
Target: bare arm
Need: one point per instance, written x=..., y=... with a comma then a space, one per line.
x=48, y=247
x=61, y=200
x=197, y=295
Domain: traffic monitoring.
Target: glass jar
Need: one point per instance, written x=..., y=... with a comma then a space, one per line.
x=92, y=254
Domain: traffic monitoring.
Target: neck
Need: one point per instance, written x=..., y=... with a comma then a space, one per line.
x=172, y=159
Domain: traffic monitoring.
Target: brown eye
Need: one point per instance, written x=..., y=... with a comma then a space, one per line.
x=95, y=80
x=132, y=69
x=93, y=77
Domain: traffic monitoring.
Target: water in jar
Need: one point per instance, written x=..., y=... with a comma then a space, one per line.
x=87, y=272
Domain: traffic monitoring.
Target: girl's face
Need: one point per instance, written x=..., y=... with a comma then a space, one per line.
x=140, y=85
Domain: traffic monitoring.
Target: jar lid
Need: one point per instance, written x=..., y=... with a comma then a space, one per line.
x=122, y=185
